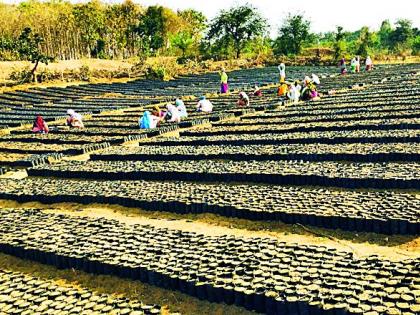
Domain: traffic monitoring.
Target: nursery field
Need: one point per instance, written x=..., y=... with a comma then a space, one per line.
x=275, y=208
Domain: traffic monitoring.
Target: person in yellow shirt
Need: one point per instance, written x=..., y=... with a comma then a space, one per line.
x=224, y=87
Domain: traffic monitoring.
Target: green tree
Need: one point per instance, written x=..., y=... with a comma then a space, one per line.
x=27, y=47
x=195, y=22
x=294, y=33
x=384, y=34
x=89, y=18
x=237, y=25
x=152, y=27
x=365, y=41
x=401, y=37
x=339, y=43
x=182, y=40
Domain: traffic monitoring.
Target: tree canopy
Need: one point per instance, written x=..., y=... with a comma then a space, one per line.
x=294, y=33
x=237, y=25
x=97, y=29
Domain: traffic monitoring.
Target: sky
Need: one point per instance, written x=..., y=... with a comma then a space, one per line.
x=324, y=15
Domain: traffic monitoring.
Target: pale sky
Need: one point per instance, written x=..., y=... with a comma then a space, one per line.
x=325, y=15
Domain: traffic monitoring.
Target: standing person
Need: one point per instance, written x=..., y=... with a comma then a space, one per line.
x=369, y=63
x=282, y=70
x=224, y=87
x=343, y=68
x=358, y=64
x=243, y=99
x=204, y=105
x=294, y=92
x=40, y=126
x=181, y=108
x=74, y=120
x=353, y=65
x=172, y=115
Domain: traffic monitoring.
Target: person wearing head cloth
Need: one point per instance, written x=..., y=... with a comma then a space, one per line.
x=257, y=90
x=40, y=126
x=369, y=63
x=148, y=121
x=74, y=119
x=343, y=68
x=181, y=108
x=282, y=89
x=172, y=114
x=357, y=63
x=282, y=70
x=294, y=92
x=224, y=87
x=315, y=79
x=353, y=65
x=309, y=91
x=204, y=105
x=243, y=99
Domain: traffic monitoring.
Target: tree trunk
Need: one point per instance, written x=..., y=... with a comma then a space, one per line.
x=33, y=72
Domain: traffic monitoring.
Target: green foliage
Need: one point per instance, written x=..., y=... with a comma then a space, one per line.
x=27, y=47
x=416, y=45
x=365, y=42
x=339, y=43
x=162, y=69
x=97, y=29
x=196, y=22
x=90, y=19
x=152, y=27
x=294, y=33
x=183, y=41
x=236, y=26
x=401, y=37
x=384, y=34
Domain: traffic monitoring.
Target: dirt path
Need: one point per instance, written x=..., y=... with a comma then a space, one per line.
x=394, y=248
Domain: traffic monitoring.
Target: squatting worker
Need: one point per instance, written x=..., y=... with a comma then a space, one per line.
x=282, y=89
x=74, y=119
x=243, y=99
x=40, y=126
x=204, y=105
x=181, y=108
x=148, y=121
x=257, y=90
x=224, y=87
x=172, y=114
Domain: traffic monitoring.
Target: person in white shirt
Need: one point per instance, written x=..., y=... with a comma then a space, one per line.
x=243, y=99
x=181, y=107
x=369, y=63
x=282, y=69
x=204, y=105
x=294, y=92
x=172, y=114
x=358, y=64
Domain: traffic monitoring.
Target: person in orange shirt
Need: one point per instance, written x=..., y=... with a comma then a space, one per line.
x=282, y=89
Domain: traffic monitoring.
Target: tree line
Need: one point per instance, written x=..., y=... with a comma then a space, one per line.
x=62, y=30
